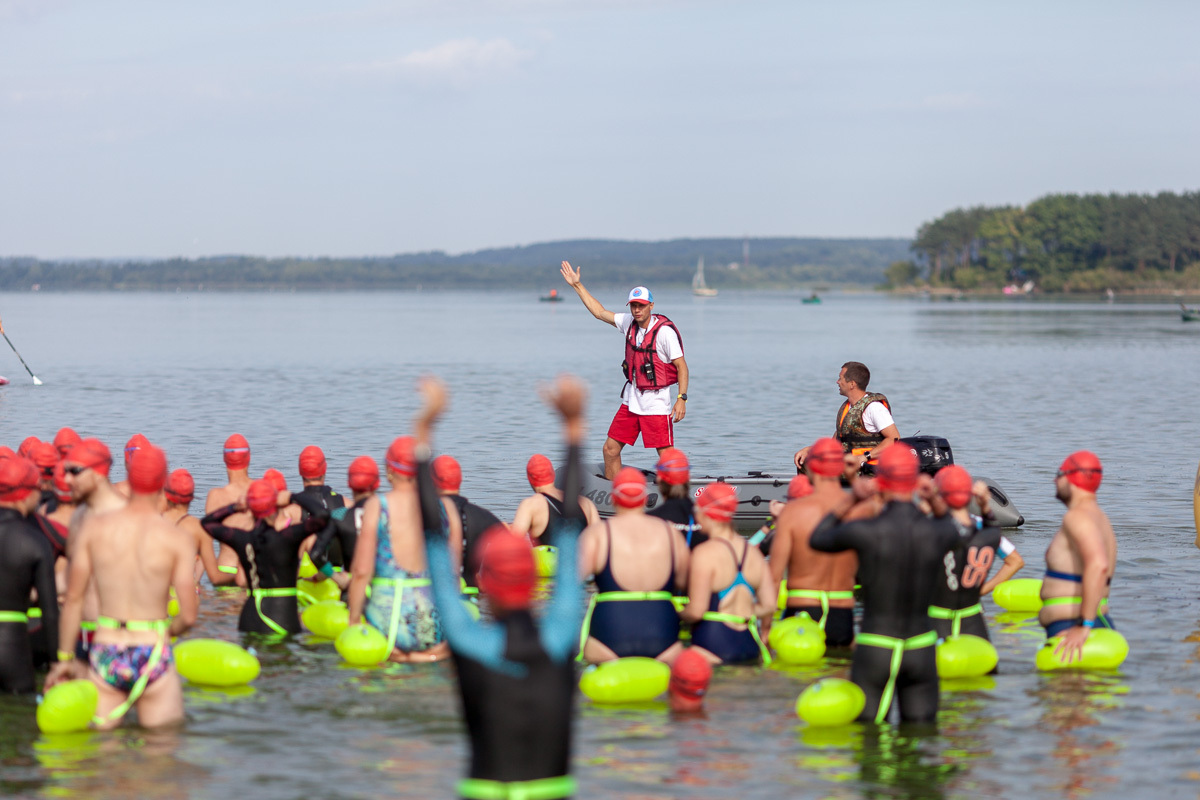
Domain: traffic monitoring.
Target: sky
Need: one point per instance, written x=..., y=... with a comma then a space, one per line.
x=152, y=129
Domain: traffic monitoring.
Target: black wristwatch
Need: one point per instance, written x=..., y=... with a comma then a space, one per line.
x=683, y=396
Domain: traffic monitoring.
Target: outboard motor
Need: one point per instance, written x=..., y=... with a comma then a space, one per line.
x=933, y=452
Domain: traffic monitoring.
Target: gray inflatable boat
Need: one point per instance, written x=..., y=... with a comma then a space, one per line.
x=756, y=490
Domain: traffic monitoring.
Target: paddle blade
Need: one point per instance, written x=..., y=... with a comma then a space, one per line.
x=37, y=381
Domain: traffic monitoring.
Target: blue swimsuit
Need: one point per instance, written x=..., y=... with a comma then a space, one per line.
x=634, y=627
x=419, y=626
x=730, y=645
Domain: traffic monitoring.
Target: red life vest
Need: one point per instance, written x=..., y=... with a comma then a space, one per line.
x=642, y=366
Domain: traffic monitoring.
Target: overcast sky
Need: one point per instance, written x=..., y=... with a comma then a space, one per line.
x=355, y=127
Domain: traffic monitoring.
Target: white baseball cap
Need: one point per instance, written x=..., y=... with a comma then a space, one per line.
x=640, y=294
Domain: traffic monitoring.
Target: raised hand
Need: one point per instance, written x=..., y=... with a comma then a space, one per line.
x=571, y=276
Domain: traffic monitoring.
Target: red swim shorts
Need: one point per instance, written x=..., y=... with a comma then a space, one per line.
x=657, y=429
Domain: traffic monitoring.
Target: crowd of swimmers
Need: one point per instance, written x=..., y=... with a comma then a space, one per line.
x=88, y=567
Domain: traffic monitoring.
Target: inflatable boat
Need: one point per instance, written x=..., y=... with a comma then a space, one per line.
x=757, y=489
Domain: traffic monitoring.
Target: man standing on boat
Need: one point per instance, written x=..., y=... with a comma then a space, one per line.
x=864, y=422
x=653, y=362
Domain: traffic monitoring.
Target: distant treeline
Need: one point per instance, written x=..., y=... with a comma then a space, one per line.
x=1062, y=242
x=773, y=262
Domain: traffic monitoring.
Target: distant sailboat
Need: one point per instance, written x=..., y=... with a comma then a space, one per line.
x=699, y=287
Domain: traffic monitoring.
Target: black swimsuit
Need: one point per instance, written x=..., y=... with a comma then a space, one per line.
x=26, y=562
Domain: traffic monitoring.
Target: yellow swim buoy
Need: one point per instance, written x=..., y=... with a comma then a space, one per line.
x=68, y=707
x=307, y=568
x=326, y=619
x=803, y=644
x=625, y=680
x=309, y=592
x=783, y=627
x=362, y=645
x=545, y=558
x=1019, y=594
x=965, y=656
x=1196, y=505
x=831, y=701
x=1104, y=649
x=212, y=662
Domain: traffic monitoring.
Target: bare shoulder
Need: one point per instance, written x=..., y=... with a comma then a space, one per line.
x=1079, y=522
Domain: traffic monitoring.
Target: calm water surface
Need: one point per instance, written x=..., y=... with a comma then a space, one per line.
x=1013, y=386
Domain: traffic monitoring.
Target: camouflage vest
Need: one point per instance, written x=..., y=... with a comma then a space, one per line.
x=851, y=431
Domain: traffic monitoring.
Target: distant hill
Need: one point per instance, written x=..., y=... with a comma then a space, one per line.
x=773, y=263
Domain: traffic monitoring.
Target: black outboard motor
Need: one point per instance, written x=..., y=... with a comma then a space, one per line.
x=933, y=452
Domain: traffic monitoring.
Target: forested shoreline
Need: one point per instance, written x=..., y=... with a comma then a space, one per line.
x=1061, y=243
x=772, y=263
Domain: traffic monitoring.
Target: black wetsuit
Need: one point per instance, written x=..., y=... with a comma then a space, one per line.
x=330, y=501
x=48, y=501
x=899, y=559
x=475, y=521
x=45, y=647
x=516, y=675
x=964, y=571
x=342, y=535
x=26, y=562
x=678, y=511
x=271, y=560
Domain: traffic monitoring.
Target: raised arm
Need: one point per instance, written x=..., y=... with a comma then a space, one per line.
x=222, y=533
x=571, y=276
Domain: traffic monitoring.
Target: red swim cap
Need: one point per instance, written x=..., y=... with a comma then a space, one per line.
x=62, y=489
x=629, y=488
x=261, y=498
x=825, y=458
x=447, y=474
x=312, y=463
x=718, y=501
x=6, y=452
x=539, y=471
x=506, y=569
x=147, y=469
x=690, y=676
x=180, y=488
x=91, y=454
x=44, y=456
x=363, y=474
x=673, y=468
x=65, y=439
x=27, y=446
x=1082, y=470
x=401, y=456
x=954, y=485
x=799, y=486
x=135, y=443
x=18, y=478
x=276, y=479
x=898, y=469
x=237, y=452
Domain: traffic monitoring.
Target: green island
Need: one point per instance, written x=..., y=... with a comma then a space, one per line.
x=1060, y=243
x=772, y=263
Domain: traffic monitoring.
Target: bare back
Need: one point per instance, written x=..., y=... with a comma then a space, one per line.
x=640, y=551
x=807, y=568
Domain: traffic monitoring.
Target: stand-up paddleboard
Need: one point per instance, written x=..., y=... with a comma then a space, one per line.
x=3, y=381
x=1196, y=505
x=755, y=491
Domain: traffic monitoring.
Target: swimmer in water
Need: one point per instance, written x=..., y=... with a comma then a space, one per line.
x=819, y=584
x=390, y=558
x=135, y=443
x=363, y=480
x=964, y=576
x=270, y=558
x=690, y=676
x=64, y=440
x=179, y=491
x=673, y=476
x=729, y=586
x=237, y=470
x=468, y=522
x=640, y=563
x=86, y=467
x=544, y=507
x=133, y=557
x=516, y=674
x=312, y=469
x=45, y=457
x=899, y=559
x=26, y=565
x=1080, y=559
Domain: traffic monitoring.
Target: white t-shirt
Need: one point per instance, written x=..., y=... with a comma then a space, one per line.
x=651, y=402
x=876, y=417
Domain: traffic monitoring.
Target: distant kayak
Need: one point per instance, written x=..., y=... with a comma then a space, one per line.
x=3, y=381
x=813, y=298
x=553, y=297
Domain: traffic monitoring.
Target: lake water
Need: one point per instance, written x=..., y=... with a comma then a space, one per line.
x=1015, y=387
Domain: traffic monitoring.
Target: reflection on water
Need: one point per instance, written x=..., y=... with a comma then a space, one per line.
x=1014, y=387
